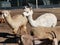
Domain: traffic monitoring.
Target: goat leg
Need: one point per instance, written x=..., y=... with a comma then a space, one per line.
x=55, y=41
x=26, y=39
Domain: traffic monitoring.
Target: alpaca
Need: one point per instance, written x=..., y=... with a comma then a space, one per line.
x=16, y=22
x=46, y=20
x=46, y=32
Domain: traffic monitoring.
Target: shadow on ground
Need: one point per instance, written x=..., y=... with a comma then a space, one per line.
x=10, y=38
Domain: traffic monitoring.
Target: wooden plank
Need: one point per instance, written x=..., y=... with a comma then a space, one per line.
x=38, y=11
x=55, y=11
x=58, y=23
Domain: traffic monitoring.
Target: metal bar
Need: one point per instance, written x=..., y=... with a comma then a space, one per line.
x=36, y=3
x=18, y=3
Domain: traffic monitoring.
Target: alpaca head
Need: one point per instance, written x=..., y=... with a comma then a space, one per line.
x=28, y=11
x=5, y=13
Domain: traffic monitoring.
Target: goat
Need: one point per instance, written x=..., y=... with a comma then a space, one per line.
x=47, y=32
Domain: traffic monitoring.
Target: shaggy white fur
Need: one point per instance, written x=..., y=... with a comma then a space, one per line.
x=46, y=20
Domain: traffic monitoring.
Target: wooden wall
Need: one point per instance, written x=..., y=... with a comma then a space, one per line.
x=38, y=12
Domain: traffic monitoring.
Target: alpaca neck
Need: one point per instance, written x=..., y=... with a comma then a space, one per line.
x=32, y=22
x=9, y=20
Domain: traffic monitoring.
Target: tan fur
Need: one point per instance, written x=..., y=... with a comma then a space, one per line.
x=43, y=32
x=16, y=22
x=27, y=39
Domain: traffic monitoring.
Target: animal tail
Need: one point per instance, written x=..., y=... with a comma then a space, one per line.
x=54, y=24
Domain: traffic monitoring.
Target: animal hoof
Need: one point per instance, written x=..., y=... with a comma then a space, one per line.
x=15, y=32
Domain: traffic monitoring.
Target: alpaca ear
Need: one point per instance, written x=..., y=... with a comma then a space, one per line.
x=30, y=8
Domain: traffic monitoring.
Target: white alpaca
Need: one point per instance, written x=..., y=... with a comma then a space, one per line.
x=46, y=20
x=15, y=22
